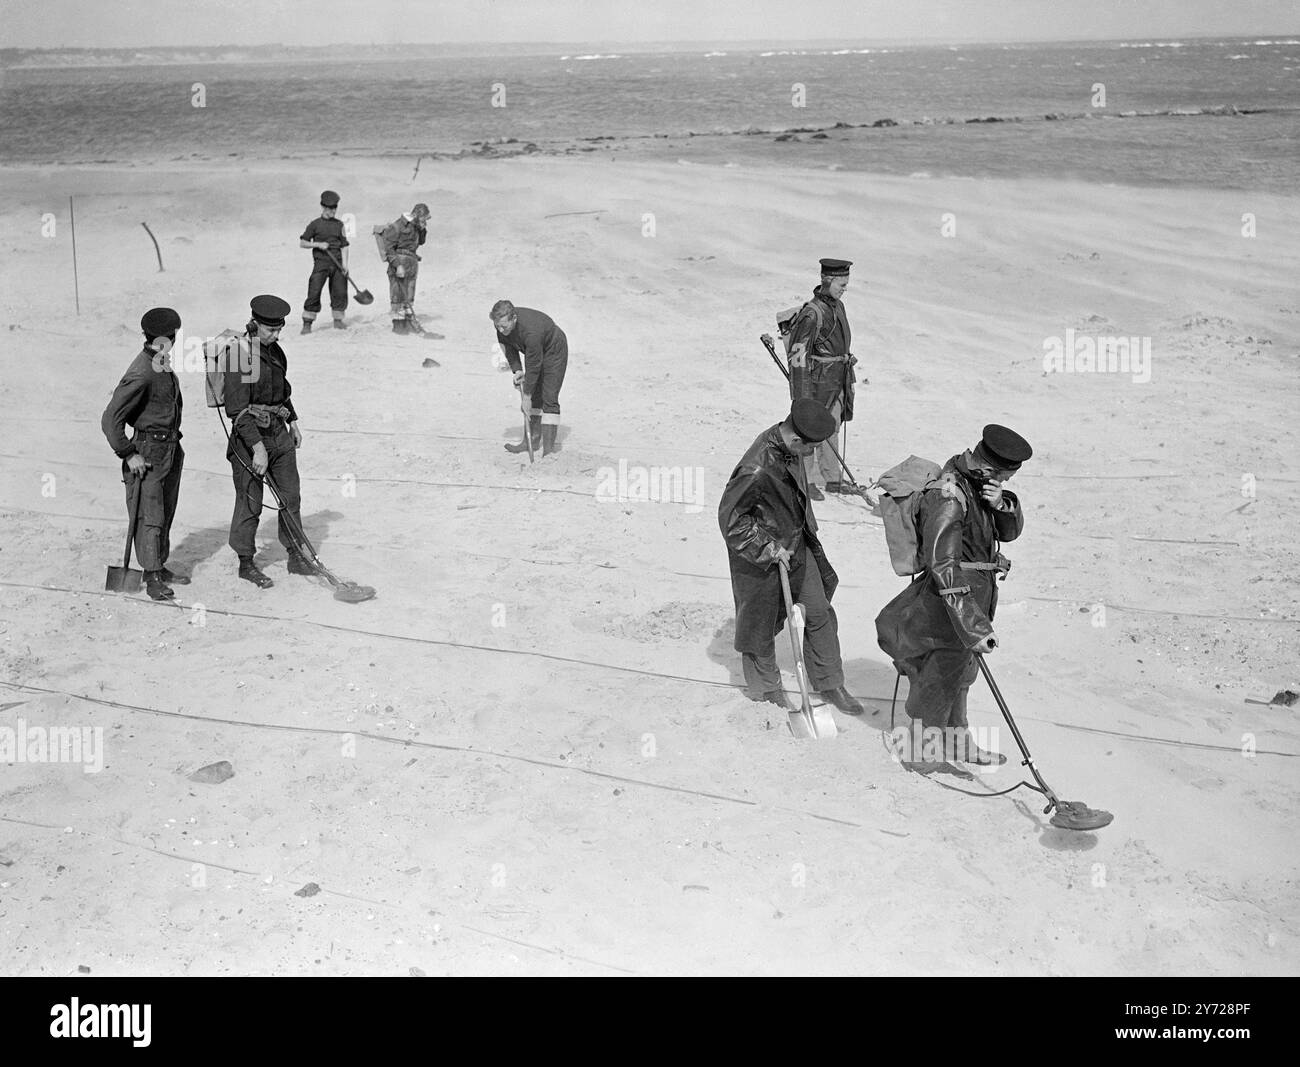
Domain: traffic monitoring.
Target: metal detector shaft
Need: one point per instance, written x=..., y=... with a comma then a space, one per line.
x=1015, y=732
x=771, y=351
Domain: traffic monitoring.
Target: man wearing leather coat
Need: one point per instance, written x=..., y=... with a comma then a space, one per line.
x=934, y=627
x=765, y=516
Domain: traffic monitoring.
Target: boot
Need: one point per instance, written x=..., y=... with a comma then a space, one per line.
x=967, y=751
x=843, y=700
x=156, y=587
x=306, y=325
x=300, y=564
x=249, y=572
x=535, y=430
x=778, y=697
x=401, y=326
x=172, y=578
x=339, y=324
x=549, y=430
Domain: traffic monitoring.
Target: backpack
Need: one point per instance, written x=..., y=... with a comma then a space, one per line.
x=227, y=353
x=785, y=320
x=903, y=486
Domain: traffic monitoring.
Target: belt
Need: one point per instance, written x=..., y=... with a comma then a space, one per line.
x=159, y=435
x=830, y=359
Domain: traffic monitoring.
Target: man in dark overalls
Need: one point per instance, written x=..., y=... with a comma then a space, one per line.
x=538, y=353
x=328, y=244
x=821, y=367
x=149, y=398
x=264, y=438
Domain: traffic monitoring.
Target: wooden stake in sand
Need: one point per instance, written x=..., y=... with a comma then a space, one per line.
x=157, y=250
x=76, y=285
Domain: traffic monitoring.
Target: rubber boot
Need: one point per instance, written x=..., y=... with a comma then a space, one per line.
x=339, y=324
x=535, y=430
x=156, y=587
x=306, y=325
x=549, y=430
x=401, y=326
x=249, y=572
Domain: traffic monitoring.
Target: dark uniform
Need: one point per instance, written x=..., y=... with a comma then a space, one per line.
x=544, y=350
x=827, y=376
x=149, y=398
x=262, y=410
x=324, y=269
x=764, y=507
x=932, y=627
x=402, y=239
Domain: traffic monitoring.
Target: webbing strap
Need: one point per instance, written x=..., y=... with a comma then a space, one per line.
x=955, y=589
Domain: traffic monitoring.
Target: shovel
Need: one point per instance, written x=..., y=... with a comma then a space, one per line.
x=528, y=436
x=808, y=723
x=364, y=296
x=123, y=579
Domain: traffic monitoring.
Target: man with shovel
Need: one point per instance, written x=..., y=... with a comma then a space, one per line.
x=933, y=628
x=766, y=517
x=538, y=353
x=149, y=398
x=401, y=241
x=329, y=255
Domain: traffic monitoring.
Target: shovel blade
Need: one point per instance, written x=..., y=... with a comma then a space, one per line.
x=123, y=580
x=365, y=297
x=801, y=727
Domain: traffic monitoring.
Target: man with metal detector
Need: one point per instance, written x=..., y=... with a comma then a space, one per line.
x=766, y=518
x=821, y=366
x=933, y=629
x=264, y=439
x=400, y=241
x=149, y=398
x=329, y=258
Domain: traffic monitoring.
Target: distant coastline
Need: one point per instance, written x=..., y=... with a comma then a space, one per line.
x=164, y=56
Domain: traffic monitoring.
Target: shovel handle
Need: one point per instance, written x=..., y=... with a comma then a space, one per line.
x=346, y=273
x=134, y=511
x=795, y=643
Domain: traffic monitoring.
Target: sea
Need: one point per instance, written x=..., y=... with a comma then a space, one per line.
x=1223, y=112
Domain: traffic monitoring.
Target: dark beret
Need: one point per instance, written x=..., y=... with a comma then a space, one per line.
x=159, y=322
x=329, y=198
x=836, y=267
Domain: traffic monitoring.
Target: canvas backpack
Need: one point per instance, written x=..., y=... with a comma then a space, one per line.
x=903, y=486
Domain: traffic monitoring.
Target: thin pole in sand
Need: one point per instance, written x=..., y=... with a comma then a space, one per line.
x=76, y=285
x=157, y=250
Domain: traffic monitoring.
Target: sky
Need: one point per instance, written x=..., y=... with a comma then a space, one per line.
x=142, y=23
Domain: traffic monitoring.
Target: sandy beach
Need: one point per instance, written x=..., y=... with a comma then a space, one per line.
x=530, y=754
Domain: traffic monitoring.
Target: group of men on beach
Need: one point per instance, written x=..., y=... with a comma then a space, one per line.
x=935, y=627
x=932, y=630
x=264, y=435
